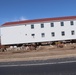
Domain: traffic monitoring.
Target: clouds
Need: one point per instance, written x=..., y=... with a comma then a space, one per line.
x=22, y=18
x=8, y=19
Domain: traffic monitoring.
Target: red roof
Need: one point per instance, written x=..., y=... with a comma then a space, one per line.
x=39, y=20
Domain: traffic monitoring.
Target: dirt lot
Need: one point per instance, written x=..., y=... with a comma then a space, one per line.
x=43, y=53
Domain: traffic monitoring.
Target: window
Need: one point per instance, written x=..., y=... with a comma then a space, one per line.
x=43, y=34
x=72, y=32
x=52, y=24
x=32, y=26
x=62, y=33
x=62, y=23
x=71, y=22
x=33, y=35
x=42, y=25
x=52, y=34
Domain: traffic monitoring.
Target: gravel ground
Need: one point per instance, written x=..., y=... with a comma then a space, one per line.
x=44, y=53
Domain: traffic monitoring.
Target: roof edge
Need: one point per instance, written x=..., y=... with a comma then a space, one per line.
x=39, y=20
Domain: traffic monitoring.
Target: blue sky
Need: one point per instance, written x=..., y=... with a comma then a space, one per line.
x=13, y=10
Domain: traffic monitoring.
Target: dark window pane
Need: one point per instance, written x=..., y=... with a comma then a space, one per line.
x=42, y=25
x=53, y=34
x=32, y=26
x=43, y=34
x=72, y=32
x=71, y=22
x=62, y=23
x=63, y=33
x=52, y=24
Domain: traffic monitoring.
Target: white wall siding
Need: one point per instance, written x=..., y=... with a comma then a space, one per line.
x=22, y=33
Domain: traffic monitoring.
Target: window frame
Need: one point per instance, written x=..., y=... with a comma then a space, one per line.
x=42, y=25
x=42, y=34
x=53, y=34
x=71, y=22
x=63, y=33
x=52, y=25
x=62, y=23
x=72, y=32
x=32, y=26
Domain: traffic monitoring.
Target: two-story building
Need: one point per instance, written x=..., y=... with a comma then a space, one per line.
x=39, y=30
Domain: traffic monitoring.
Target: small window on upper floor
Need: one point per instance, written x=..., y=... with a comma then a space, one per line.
x=32, y=26
x=72, y=32
x=42, y=34
x=71, y=23
x=62, y=23
x=52, y=24
x=52, y=34
x=63, y=33
x=42, y=25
